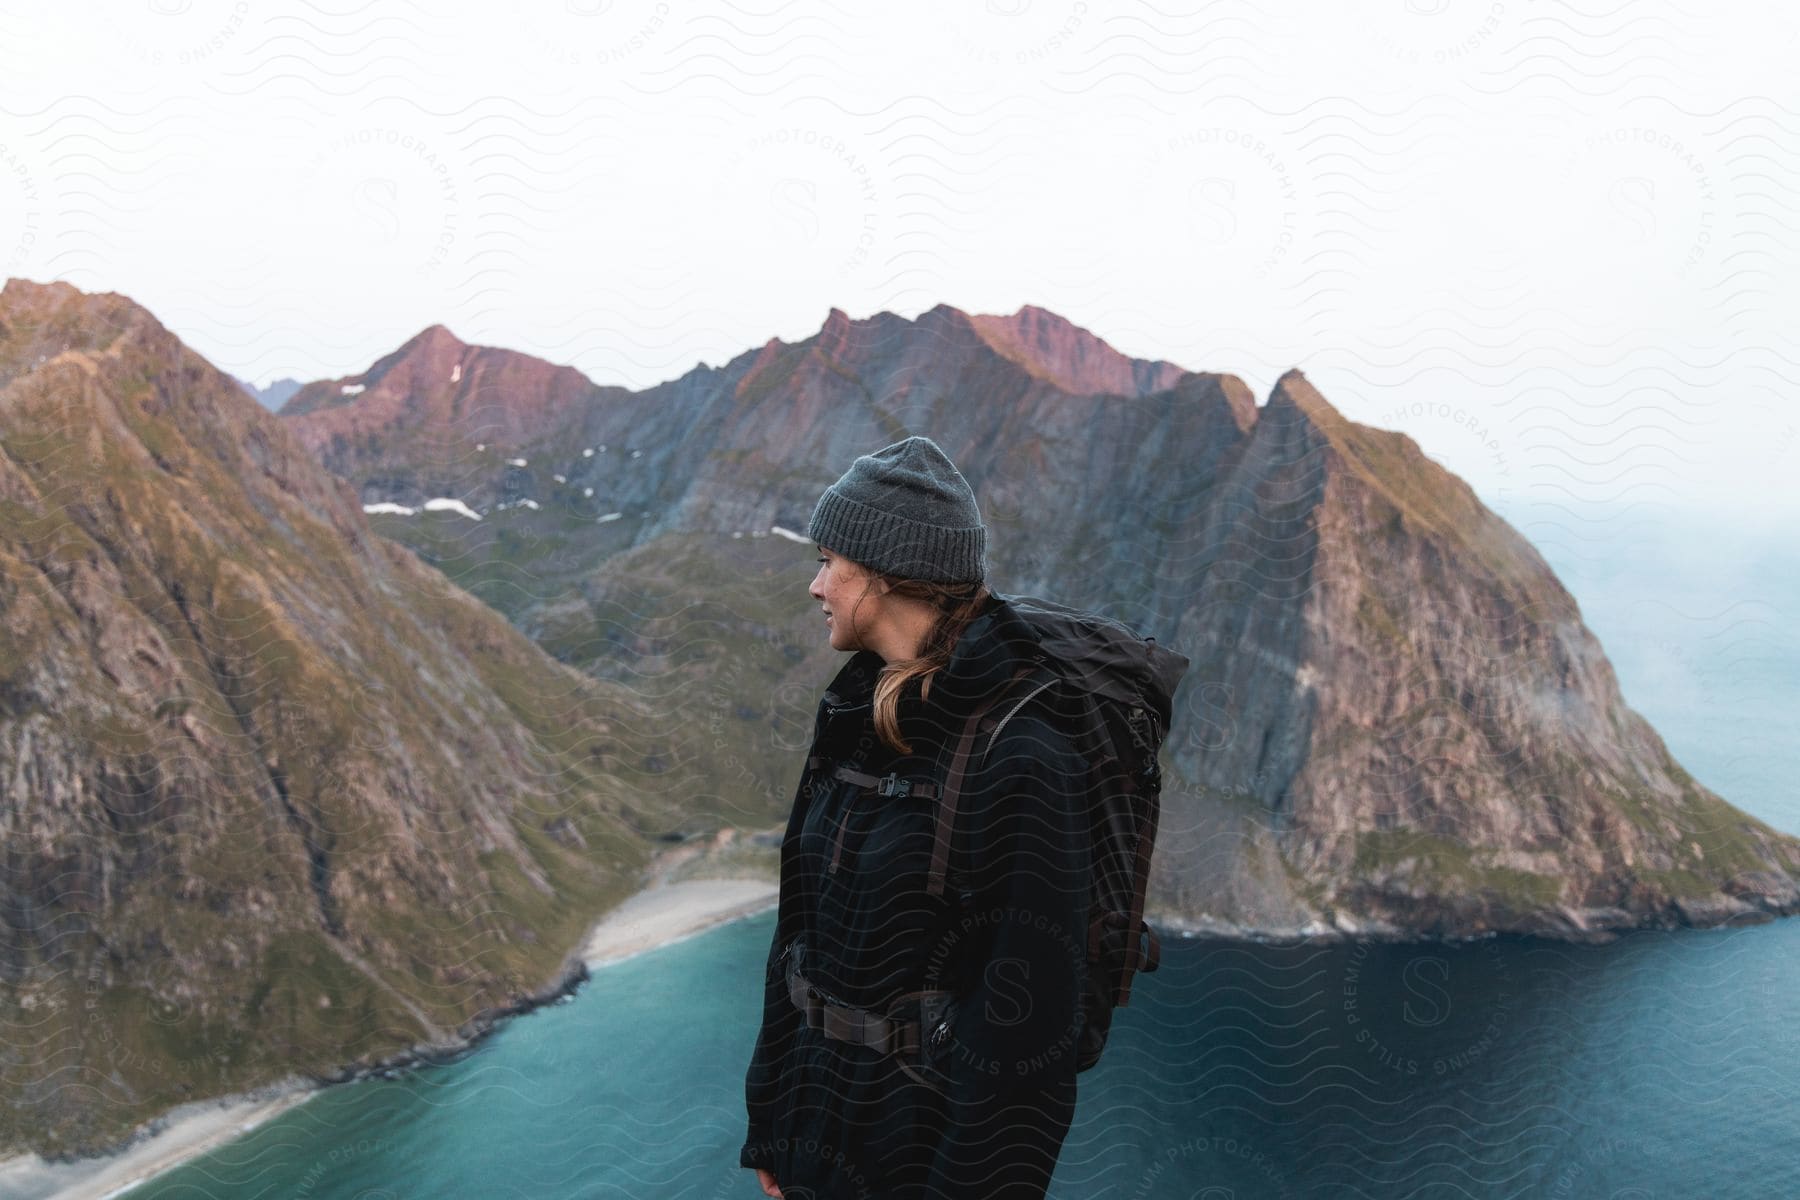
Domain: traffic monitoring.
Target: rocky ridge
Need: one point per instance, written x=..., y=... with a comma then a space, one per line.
x=1396, y=723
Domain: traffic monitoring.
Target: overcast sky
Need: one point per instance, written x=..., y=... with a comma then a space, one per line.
x=1556, y=244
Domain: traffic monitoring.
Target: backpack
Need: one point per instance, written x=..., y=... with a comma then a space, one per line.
x=1120, y=688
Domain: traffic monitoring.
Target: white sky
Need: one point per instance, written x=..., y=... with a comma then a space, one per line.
x=1556, y=244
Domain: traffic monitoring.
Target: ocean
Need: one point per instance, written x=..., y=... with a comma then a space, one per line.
x=1666, y=1064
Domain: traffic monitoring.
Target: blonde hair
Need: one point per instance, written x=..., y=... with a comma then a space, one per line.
x=957, y=604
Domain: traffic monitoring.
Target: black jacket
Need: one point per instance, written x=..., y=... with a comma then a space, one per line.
x=983, y=1111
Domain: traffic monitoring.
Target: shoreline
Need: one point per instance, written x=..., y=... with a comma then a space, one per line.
x=1562, y=923
x=184, y=1132
x=659, y=915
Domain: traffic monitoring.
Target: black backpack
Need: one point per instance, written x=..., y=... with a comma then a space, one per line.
x=1120, y=688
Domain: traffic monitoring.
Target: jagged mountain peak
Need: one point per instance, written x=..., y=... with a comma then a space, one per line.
x=1076, y=359
x=1046, y=345
x=40, y=320
x=432, y=347
x=17, y=290
x=433, y=343
x=1294, y=392
x=432, y=353
x=1423, y=496
x=436, y=381
x=226, y=441
x=437, y=332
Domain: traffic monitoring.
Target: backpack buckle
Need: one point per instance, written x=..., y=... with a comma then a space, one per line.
x=892, y=785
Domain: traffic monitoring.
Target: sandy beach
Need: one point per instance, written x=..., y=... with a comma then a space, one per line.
x=660, y=914
x=192, y=1129
x=670, y=912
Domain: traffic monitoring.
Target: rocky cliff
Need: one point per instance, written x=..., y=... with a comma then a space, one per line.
x=1396, y=722
x=274, y=796
x=1426, y=736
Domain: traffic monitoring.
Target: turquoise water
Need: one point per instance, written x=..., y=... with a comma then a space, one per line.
x=1663, y=1065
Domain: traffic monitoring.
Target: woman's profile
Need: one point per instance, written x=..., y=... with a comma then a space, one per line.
x=921, y=1043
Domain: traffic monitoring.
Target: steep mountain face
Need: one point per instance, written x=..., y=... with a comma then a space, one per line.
x=274, y=796
x=1395, y=721
x=1405, y=690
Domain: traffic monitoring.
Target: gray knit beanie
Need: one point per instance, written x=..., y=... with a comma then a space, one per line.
x=905, y=510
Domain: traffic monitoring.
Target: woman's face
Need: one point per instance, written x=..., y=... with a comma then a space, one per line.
x=850, y=595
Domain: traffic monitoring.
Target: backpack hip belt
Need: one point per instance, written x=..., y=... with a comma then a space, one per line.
x=885, y=1032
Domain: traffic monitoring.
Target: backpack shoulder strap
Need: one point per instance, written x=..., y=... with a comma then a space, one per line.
x=1048, y=678
x=959, y=762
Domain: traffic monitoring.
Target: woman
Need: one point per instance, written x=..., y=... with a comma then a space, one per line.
x=917, y=1045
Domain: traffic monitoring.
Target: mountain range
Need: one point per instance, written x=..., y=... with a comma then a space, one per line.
x=327, y=733
x=1396, y=721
